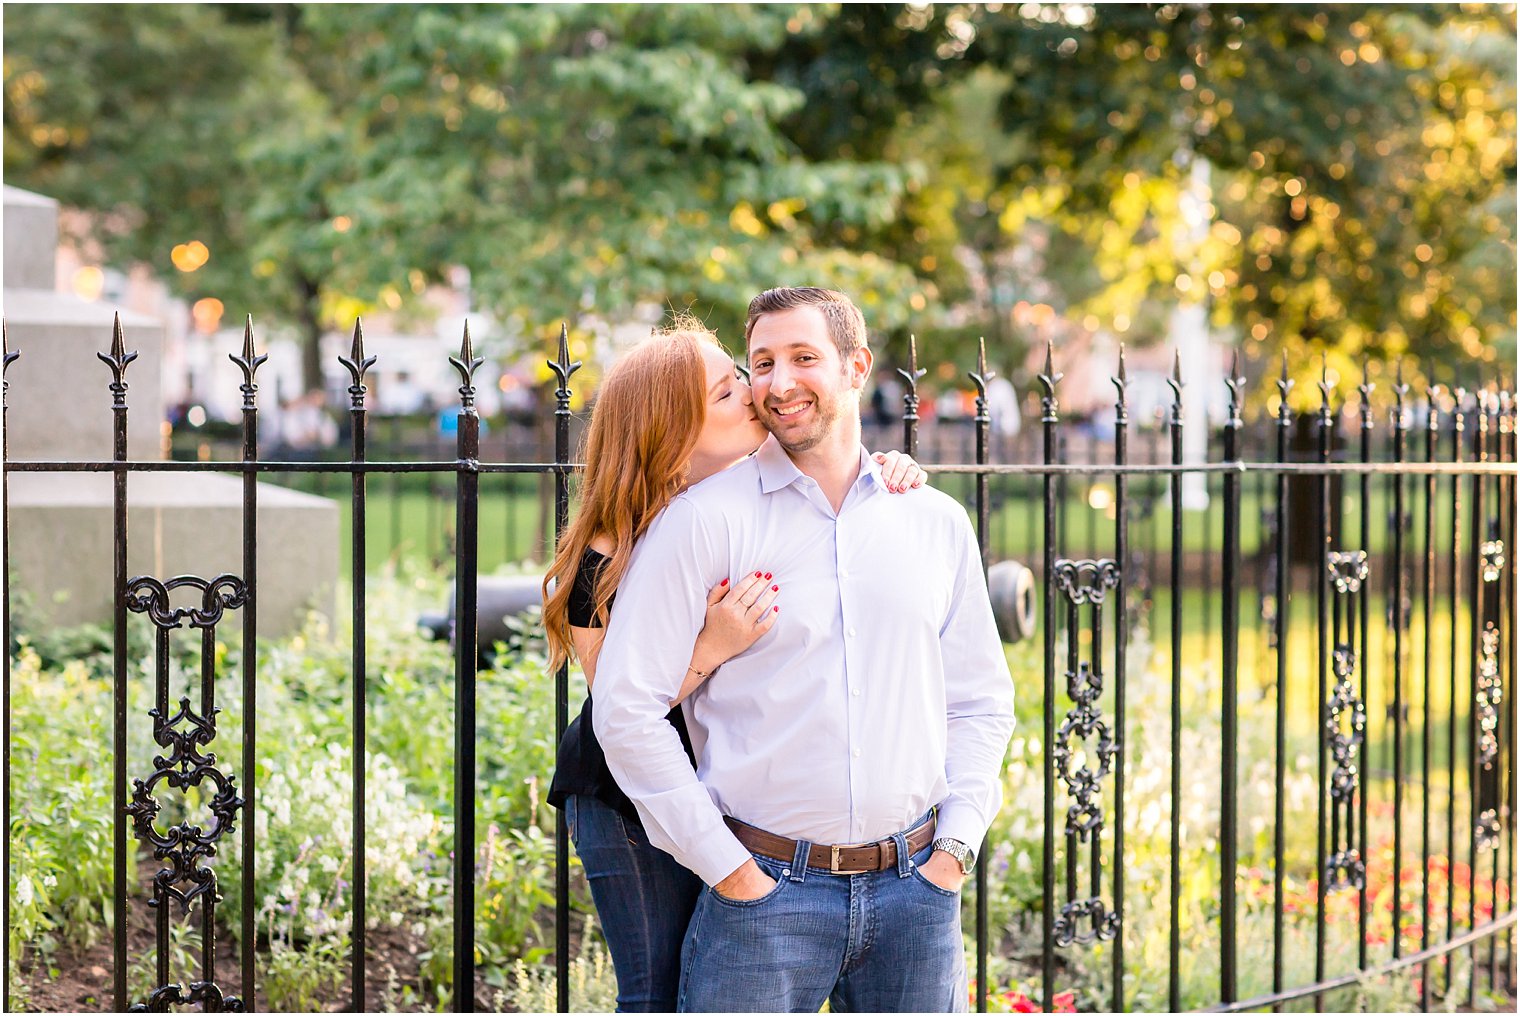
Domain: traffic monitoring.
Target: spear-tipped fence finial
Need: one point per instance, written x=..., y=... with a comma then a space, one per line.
x=466, y=363
x=980, y=377
x=1049, y=379
x=1284, y=386
x=1176, y=384
x=357, y=364
x=1121, y=384
x=563, y=368
x=7, y=357
x=1400, y=389
x=911, y=376
x=1365, y=391
x=248, y=362
x=1324, y=385
x=117, y=361
x=1236, y=384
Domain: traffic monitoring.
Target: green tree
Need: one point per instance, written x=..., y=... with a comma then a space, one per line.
x=1362, y=160
x=335, y=158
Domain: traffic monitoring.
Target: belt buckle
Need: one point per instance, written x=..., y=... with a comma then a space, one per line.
x=835, y=869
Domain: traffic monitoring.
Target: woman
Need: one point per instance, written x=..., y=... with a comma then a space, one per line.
x=672, y=412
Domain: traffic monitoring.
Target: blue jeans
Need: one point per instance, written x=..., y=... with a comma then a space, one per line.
x=886, y=941
x=643, y=898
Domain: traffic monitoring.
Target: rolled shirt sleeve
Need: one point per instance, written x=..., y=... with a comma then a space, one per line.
x=661, y=606
x=978, y=703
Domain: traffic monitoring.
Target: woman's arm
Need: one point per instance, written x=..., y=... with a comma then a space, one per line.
x=736, y=618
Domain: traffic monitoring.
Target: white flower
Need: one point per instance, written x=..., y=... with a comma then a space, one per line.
x=24, y=891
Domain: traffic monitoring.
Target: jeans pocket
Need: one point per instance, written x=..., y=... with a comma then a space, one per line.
x=774, y=871
x=921, y=879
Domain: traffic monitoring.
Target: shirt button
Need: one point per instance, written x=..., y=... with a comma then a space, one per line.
x=857, y=753
x=852, y=633
x=855, y=692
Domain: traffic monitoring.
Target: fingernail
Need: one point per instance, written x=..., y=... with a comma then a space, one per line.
x=757, y=575
x=723, y=583
x=776, y=610
x=767, y=574
x=775, y=589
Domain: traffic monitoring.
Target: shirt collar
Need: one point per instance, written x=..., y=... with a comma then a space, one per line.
x=777, y=469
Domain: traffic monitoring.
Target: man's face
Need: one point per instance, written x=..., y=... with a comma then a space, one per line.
x=802, y=387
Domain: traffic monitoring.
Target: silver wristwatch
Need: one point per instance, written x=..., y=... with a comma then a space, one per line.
x=958, y=850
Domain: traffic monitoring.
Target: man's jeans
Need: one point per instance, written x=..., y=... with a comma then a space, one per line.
x=643, y=897
x=886, y=941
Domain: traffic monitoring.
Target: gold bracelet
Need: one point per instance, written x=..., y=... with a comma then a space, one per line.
x=700, y=674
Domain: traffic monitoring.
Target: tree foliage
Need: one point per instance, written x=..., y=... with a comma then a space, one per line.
x=941, y=162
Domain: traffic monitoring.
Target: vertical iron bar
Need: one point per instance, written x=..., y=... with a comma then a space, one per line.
x=466, y=649
x=7, y=357
x=563, y=368
x=1510, y=530
x=1284, y=565
x=249, y=362
x=161, y=899
x=1428, y=596
x=1322, y=581
x=1230, y=622
x=1048, y=419
x=983, y=423
x=397, y=452
x=1477, y=607
x=1458, y=428
x=357, y=363
x=1507, y=745
x=1121, y=677
x=1400, y=429
x=117, y=361
x=1356, y=837
x=1174, y=983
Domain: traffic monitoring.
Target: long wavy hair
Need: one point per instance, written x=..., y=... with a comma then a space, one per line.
x=637, y=451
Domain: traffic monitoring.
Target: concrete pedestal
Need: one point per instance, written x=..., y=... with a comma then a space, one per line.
x=61, y=524
x=62, y=535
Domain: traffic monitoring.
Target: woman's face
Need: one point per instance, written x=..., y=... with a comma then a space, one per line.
x=730, y=430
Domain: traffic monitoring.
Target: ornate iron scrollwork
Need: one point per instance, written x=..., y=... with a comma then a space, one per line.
x=1085, y=583
x=1345, y=725
x=187, y=733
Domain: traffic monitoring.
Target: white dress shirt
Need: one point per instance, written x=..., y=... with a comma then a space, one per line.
x=882, y=689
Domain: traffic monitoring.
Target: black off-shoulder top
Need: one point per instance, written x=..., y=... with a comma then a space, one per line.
x=580, y=767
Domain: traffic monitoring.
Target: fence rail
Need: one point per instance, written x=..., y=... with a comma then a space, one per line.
x=1443, y=556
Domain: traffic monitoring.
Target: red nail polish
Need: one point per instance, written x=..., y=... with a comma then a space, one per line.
x=723, y=583
x=775, y=610
x=775, y=589
x=757, y=575
x=767, y=574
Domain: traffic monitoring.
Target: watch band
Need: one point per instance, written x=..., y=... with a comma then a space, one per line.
x=958, y=850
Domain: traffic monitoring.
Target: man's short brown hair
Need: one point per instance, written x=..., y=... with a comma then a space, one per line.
x=847, y=326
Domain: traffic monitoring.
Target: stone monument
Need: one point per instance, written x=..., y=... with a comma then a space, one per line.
x=61, y=524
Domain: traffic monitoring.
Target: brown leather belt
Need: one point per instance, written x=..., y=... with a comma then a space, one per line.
x=844, y=859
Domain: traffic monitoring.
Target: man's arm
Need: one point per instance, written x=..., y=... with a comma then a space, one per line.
x=661, y=603
x=978, y=703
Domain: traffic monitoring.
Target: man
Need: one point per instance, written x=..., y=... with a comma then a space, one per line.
x=850, y=760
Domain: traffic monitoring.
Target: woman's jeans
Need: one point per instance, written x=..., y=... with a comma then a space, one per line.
x=643, y=897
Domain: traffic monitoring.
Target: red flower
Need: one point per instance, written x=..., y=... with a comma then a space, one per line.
x=1021, y=1002
x=1065, y=1001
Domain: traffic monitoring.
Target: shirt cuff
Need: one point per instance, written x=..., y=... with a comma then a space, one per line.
x=960, y=821
x=715, y=861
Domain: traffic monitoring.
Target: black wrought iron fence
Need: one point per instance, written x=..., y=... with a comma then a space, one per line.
x=1120, y=564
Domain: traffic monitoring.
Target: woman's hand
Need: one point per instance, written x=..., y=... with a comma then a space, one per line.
x=737, y=615
x=899, y=472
